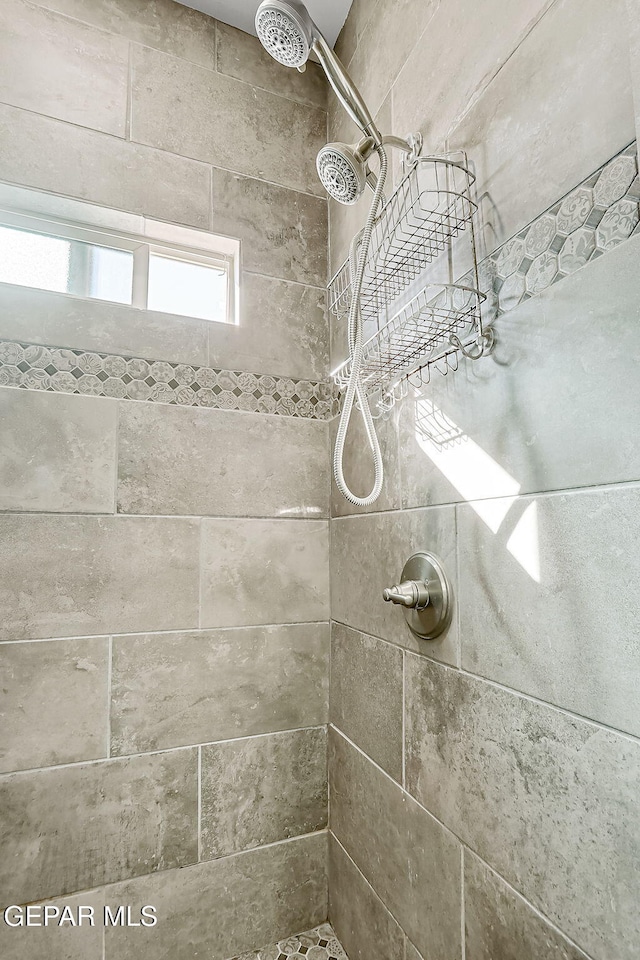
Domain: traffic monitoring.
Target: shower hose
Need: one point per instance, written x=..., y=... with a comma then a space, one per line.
x=355, y=390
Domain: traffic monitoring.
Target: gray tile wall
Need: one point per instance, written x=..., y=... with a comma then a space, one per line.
x=162, y=112
x=164, y=649
x=498, y=767
x=246, y=900
x=136, y=735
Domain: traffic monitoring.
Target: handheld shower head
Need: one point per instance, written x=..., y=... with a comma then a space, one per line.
x=288, y=33
x=343, y=171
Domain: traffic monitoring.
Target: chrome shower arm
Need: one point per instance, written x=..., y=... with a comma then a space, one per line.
x=345, y=89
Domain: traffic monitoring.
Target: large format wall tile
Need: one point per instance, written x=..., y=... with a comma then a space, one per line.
x=259, y=127
x=76, y=827
x=175, y=460
x=529, y=613
x=57, y=453
x=242, y=56
x=283, y=232
x=537, y=415
x=264, y=571
x=549, y=800
x=62, y=68
x=173, y=689
x=368, y=554
x=163, y=24
x=463, y=48
x=259, y=790
x=366, y=695
x=386, y=40
x=47, y=318
x=53, y=702
x=359, y=15
x=500, y=924
x=412, y=863
x=361, y=921
x=546, y=94
x=358, y=466
x=283, y=330
x=76, y=576
x=81, y=163
x=223, y=907
x=57, y=943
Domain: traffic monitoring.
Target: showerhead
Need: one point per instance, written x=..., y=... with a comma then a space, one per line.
x=288, y=33
x=342, y=172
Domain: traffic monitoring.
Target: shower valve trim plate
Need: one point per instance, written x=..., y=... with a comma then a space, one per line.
x=425, y=595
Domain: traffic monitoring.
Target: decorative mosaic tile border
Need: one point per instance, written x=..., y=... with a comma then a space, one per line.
x=320, y=943
x=597, y=215
x=132, y=378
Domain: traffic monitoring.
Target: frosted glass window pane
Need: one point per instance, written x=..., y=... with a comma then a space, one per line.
x=188, y=289
x=65, y=266
x=33, y=260
x=111, y=274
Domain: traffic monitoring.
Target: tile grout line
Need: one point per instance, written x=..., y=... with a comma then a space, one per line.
x=104, y=887
x=109, y=694
x=171, y=403
x=211, y=230
x=463, y=933
x=397, y=785
x=155, y=753
x=159, y=516
x=215, y=69
x=321, y=198
x=216, y=47
x=592, y=489
x=366, y=881
x=116, y=457
x=52, y=7
x=457, y=839
x=200, y=570
x=275, y=392
x=598, y=724
x=456, y=601
x=199, y=803
x=604, y=486
x=328, y=722
x=129, y=106
x=298, y=283
x=176, y=632
x=404, y=716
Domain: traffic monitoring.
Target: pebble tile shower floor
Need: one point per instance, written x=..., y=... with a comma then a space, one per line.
x=320, y=943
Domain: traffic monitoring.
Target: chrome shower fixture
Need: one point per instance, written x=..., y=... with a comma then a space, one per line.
x=288, y=33
x=343, y=169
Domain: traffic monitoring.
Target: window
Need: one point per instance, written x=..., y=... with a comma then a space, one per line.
x=65, y=266
x=195, y=276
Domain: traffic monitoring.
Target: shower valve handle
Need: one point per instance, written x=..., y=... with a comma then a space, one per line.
x=409, y=593
x=424, y=595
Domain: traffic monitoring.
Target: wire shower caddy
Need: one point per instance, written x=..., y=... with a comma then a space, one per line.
x=414, y=323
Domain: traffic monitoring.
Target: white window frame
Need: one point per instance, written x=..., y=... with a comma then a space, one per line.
x=29, y=210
